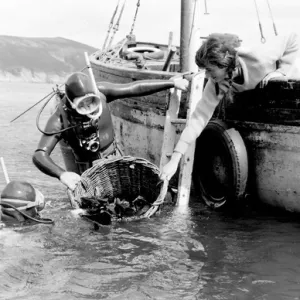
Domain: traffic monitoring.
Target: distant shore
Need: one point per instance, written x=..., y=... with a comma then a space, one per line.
x=33, y=77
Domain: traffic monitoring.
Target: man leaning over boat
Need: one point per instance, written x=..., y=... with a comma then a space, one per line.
x=232, y=70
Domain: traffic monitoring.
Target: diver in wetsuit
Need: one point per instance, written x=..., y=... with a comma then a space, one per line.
x=86, y=114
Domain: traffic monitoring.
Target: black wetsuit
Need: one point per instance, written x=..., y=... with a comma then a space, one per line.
x=65, y=117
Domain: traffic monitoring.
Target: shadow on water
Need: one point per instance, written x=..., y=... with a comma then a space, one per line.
x=184, y=253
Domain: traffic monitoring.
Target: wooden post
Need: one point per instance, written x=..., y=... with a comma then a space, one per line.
x=167, y=63
x=170, y=43
x=187, y=161
x=189, y=44
x=189, y=35
x=169, y=128
x=6, y=180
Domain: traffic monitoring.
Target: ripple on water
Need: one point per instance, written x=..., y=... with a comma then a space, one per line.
x=188, y=254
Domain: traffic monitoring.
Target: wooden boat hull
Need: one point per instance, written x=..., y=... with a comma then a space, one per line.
x=274, y=163
x=271, y=134
x=138, y=122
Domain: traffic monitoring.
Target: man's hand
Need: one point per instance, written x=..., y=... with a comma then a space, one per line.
x=223, y=88
x=170, y=168
x=181, y=84
x=269, y=76
x=70, y=179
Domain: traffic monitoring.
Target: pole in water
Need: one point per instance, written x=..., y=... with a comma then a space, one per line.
x=6, y=180
x=4, y=170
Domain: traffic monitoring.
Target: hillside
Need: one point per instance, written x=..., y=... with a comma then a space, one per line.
x=40, y=59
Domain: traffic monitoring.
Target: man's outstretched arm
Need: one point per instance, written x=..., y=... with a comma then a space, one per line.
x=139, y=88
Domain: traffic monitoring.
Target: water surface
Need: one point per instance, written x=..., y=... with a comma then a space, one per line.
x=185, y=253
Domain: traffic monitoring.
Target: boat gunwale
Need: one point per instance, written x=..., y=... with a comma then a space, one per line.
x=114, y=68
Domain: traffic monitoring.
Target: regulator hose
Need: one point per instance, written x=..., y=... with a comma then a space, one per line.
x=38, y=120
x=42, y=220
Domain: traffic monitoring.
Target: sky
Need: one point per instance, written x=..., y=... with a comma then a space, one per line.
x=87, y=21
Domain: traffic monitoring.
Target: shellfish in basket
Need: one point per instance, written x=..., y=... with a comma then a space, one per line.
x=122, y=188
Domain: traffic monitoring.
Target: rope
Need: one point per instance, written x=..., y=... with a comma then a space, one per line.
x=134, y=19
x=271, y=15
x=110, y=25
x=160, y=200
x=116, y=27
x=112, y=54
x=263, y=40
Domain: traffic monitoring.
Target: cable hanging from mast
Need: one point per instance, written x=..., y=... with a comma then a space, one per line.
x=110, y=25
x=263, y=40
x=205, y=6
x=193, y=21
x=271, y=15
x=134, y=19
x=116, y=26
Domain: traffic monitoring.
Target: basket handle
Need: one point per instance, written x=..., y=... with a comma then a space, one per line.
x=160, y=200
x=74, y=203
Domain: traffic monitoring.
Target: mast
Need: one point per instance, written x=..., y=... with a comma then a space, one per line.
x=189, y=35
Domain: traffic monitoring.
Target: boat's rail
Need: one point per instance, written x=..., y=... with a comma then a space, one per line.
x=115, y=57
x=277, y=103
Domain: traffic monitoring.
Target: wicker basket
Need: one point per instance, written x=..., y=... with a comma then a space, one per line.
x=124, y=177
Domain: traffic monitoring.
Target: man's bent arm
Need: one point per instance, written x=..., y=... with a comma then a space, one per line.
x=41, y=157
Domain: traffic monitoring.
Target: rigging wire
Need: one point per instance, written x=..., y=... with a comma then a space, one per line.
x=205, y=5
x=263, y=40
x=110, y=25
x=271, y=15
x=49, y=95
x=193, y=21
x=116, y=26
x=28, y=109
x=134, y=18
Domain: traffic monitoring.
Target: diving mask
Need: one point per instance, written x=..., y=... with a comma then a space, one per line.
x=89, y=105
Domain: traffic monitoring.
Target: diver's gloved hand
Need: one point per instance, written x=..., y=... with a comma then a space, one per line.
x=70, y=179
x=181, y=83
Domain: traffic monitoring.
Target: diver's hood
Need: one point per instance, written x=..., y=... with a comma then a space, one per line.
x=20, y=196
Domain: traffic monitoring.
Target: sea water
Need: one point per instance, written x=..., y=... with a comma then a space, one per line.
x=185, y=253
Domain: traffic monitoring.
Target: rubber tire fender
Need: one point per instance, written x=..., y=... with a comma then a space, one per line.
x=220, y=152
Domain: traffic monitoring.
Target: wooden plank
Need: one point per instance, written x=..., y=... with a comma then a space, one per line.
x=187, y=161
x=169, y=129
